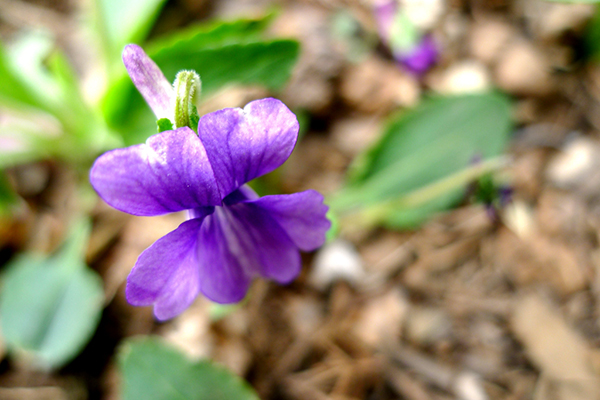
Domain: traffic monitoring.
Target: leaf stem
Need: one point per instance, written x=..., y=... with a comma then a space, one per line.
x=375, y=214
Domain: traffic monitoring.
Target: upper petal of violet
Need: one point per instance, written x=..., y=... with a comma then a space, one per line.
x=245, y=144
x=168, y=173
x=149, y=81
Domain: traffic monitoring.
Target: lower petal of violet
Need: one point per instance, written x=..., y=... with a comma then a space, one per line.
x=219, y=250
x=166, y=274
x=239, y=242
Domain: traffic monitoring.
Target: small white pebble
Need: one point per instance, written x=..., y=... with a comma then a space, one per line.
x=468, y=386
x=336, y=261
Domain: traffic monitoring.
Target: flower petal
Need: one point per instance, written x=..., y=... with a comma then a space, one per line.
x=301, y=215
x=385, y=12
x=421, y=58
x=166, y=274
x=149, y=81
x=169, y=173
x=239, y=242
x=245, y=144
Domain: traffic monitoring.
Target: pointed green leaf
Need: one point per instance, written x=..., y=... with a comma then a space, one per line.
x=423, y=146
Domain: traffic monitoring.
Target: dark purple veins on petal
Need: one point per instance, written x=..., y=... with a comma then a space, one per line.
x=245, y=144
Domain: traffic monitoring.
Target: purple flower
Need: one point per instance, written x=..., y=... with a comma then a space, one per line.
x=420, y=58
x=411, y=49
x=231, y=235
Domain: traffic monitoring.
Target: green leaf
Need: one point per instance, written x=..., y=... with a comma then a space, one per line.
x=122, y=22
x=27, y=55
x=13, y=90
x=8, y=197
x=592, y=36
x=194, y=119
x=222, y=53
x=264, y=63
x=422, y=147
x=50, y=307
x=152, y=370
x=215, y=34
x=164, y=124
x=117, y=104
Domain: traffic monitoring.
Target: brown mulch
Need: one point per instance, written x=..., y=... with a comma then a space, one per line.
x=466, y=307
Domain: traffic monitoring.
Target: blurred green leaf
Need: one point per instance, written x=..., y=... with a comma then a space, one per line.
x=87, y=131
x=152, y=370
x=62, y=124
x=8, y=197
x=14, y=91
x=27, y=55
x=215, y=34
x=122, y=22
x=50, y=307
x=424, y=146
x=592, y=36
x=222, y=53
x=357, y=43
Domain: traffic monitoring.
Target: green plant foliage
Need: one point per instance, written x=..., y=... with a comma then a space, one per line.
x=14, y=91
x=215, y=34
x=122, y=22
x=44, y=87
x=222, y=53
x=152, y=370
x=50, y=307
x=7, y=196
x=592, y=36
x=264, y=63
x=424, y=146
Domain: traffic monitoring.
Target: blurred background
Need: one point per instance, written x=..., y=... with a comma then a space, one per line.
x=457, y=143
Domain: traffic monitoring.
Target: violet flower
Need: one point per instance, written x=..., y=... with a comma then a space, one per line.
x=231, y=235
x=415, y=51
x=420, y=58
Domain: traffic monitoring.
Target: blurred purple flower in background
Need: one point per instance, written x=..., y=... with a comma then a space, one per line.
x=420, y=58
x=415, y=51
x=231, y=235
